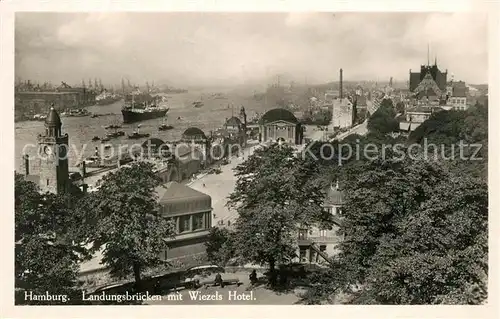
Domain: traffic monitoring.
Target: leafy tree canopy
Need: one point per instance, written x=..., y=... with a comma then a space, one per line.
x=46, y=244
x=273, y=196
x=415, y=233
x=127, y=220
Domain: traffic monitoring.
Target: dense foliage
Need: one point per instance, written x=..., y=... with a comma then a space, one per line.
x=447, y=129
x=415, y=233
x=415, y=229
x=46, y=256
x=273, y=197
x=127, y=221
x=322, y=117
x=220, y=246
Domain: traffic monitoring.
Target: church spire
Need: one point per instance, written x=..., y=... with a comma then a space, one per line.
x=428, y=62
x=435, y=60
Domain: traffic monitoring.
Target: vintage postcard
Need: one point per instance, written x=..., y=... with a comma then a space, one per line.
x=238, y=158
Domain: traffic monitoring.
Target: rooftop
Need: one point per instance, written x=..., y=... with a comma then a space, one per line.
x=53, y=117
x=278, y=114
x=334, y=196
x=193, y=132
x=233, y=121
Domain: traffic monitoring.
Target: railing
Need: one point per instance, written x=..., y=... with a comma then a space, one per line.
x=321, y=253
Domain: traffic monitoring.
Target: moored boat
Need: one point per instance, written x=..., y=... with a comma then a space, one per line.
x=75, y=113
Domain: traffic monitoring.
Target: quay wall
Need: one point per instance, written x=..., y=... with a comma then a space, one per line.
x=39, y=102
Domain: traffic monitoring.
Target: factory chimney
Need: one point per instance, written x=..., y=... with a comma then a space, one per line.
x=26, y=164
x=341, y=94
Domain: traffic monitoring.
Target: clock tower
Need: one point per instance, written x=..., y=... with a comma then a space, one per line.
x=53, y=156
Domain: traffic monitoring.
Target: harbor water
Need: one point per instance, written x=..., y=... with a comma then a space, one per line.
x=182, y=115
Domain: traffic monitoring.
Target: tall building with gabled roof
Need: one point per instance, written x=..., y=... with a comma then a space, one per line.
x=431, y=74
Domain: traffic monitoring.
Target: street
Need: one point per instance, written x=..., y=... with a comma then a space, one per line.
x=229, y=295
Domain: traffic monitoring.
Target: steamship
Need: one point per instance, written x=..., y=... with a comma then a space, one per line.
x=140, y=107
x=106, y=98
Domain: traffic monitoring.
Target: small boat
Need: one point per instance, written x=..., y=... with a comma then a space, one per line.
x=115, y=134
x=198, y=104
x=96, y=138
x=165, y=127
x=105, y=139
x=107, y=146
x=113, y=126
x=136, y=135
x=94, y=115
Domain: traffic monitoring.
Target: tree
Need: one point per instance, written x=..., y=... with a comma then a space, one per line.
x=220, y=246
x=128, y=222
x=447, y=128
x=273, y=197
x=400, y=107
x=415, y=233
x=46, y=248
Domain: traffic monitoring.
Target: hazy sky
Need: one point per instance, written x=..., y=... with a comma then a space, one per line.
x=236, y=48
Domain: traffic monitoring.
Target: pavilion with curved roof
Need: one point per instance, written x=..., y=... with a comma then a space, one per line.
x=280, y=125
x=193, y=133
x=233, y=123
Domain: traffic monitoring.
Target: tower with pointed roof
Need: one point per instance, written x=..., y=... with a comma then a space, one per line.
x=53, y=156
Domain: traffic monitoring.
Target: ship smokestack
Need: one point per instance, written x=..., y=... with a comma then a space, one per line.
x=26, y=164
x=341, y=95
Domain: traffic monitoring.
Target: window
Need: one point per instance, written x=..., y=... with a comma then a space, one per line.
x=184, y=222
x=322, y=233
x=47, y=182
x=303, y=254
x=208, y=219
x=198, y=221
x=302, y=233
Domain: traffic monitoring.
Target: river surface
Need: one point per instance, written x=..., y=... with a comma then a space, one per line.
x=81, y=129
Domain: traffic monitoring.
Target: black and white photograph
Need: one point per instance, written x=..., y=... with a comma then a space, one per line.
x=250, y=158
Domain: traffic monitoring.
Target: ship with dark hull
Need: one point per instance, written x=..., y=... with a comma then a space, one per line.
x=142, y=107
x=132, y=115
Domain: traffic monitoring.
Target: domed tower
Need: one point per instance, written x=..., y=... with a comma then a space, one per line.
x=53, y=156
